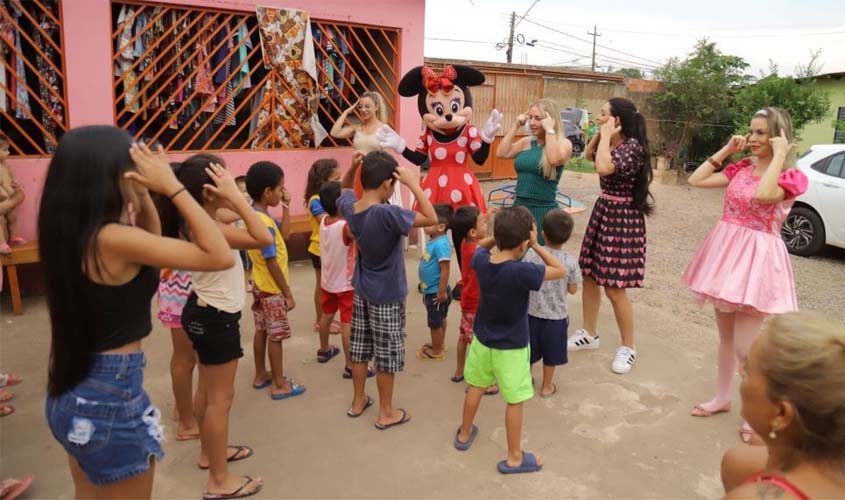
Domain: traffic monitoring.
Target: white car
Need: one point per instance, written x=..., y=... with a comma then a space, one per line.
x=818, y=216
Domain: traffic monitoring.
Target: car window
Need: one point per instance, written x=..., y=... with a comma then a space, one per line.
x=836, y=166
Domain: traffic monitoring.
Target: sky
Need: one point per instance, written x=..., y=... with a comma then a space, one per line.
x=642, y=34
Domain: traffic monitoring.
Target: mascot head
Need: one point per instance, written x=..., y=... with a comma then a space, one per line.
x=444, y=99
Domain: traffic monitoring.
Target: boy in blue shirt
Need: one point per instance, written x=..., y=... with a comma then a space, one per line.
x=378, y=310
x=434, y=282
x=500, y=352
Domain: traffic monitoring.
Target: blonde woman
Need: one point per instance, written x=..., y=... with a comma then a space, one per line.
x=372, y=114
x=540, y=157
x=793, y=396
x=742, y=267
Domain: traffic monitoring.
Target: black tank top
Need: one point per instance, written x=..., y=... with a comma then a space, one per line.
x=120, y=314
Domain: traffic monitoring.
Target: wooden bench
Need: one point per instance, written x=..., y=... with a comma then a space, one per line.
x=24, y=254
x=28, y=254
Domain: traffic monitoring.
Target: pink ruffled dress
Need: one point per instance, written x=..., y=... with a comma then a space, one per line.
x=743, y=264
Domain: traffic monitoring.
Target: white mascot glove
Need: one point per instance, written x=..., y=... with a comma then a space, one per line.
x=494, y=123
x=388, y=138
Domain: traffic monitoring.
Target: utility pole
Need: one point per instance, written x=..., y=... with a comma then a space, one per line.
x=510, y=38
x=595, y=33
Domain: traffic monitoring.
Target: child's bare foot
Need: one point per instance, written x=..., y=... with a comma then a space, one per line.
x=233, y=487
x=184, y=433
x=547, y=392
x=262, y=380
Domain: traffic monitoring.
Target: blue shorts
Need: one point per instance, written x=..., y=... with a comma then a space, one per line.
x=107, y=422
x=548, y=340
x=437, y=311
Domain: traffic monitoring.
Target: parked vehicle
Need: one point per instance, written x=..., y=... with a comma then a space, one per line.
x=572, y=118
x=818, y=216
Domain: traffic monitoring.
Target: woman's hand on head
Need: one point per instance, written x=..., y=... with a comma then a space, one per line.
x=548, y=123
x=609, y=129
x=351, y=109
x=152, y=169
x=780, y=144
x=737, y=144
x=521, y=119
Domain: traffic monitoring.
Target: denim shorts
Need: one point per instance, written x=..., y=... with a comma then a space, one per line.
x=107, y=422
x=436, y=312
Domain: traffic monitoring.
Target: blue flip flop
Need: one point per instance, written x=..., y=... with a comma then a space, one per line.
x=529, y=464
x=296, y=390
x=464, y=446
x=262, y=385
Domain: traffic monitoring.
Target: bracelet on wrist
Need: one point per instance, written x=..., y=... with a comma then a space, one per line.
x=177, y=193
x=713, y=162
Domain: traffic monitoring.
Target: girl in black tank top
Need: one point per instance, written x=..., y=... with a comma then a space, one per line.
x=100, y=245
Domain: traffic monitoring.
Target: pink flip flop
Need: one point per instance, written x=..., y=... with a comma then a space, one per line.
x=13, y=488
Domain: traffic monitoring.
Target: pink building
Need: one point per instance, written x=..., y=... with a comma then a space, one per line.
x=189, y=74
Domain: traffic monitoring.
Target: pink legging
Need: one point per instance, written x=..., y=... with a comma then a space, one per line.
x=737, y=330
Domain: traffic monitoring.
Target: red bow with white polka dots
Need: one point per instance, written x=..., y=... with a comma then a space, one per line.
x=434, y=82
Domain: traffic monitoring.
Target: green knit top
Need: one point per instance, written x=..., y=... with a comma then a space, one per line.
x=532, y=187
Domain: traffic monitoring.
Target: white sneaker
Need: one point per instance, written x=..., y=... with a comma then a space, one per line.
x=624, y=360
x=582, y=340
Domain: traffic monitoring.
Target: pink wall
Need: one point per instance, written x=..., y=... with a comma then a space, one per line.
x=87, y=38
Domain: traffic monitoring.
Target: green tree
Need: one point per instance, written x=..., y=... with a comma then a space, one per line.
x=696, y=98
x=631, y=73
x=804, y=100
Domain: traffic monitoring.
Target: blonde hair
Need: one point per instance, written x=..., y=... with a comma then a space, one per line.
x=803, y=362
x=779, y=119
x=548, y=106
x=381, y=109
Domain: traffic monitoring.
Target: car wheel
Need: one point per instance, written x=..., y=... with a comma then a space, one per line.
x=803, y=232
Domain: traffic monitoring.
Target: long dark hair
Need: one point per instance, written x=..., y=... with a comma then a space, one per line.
x=191, y=173
x=82, y=193
x=633, y=127
x=318, y=175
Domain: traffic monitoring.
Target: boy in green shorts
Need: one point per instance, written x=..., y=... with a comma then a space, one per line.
x=500, y=353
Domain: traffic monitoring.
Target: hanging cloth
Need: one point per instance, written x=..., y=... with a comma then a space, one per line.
x=47, y=68
x=123, y=64
x=288, y=115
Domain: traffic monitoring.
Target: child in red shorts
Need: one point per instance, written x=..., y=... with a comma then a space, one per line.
x=468, y=220
x=337, y=251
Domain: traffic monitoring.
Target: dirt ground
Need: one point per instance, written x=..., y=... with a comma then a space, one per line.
x=601, y=436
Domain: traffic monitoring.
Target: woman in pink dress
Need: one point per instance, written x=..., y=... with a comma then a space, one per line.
x=742, y=267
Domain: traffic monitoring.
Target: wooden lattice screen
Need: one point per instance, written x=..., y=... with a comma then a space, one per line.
x=33, y=106
x=193, y=78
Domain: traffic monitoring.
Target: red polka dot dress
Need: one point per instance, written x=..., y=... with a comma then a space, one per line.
x=450, y=180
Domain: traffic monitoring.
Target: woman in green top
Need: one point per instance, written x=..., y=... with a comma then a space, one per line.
x=540, y=157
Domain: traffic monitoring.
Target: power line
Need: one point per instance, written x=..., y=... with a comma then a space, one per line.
x=459, y=40
x=590, y=42
x=613, y=59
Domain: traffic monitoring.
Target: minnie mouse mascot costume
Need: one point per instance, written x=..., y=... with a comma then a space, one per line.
x=449, y=140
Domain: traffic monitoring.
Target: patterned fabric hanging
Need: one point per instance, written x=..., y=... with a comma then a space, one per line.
x=47, y=67
x=288, y=115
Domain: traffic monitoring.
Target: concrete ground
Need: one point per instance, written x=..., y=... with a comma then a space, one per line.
x=602, y=436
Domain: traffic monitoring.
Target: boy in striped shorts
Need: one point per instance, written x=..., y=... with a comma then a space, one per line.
x=381, y=288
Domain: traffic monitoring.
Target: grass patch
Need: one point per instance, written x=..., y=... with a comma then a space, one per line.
x=580, y=165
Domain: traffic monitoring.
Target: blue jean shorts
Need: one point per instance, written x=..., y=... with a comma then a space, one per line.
x=436, y=312
x=107, y=422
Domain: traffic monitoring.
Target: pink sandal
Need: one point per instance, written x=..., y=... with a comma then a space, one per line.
x=9, y=379
x=746, y=432
x=13, y=488
x=701, y=411
x=17, y=241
